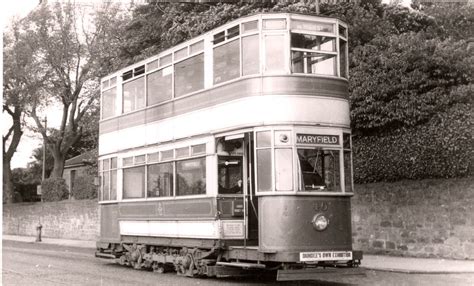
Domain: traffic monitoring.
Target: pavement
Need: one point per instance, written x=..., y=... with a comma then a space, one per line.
x=372, y=262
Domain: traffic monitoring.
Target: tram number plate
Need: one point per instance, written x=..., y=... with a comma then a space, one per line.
x=325, y=256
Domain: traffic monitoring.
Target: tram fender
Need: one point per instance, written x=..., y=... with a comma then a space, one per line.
x=327, y=273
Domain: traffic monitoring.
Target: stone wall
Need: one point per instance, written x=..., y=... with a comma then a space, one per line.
x=427, y=218
x=64, y=219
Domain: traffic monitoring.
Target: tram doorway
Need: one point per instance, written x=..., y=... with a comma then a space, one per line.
x=234, y=169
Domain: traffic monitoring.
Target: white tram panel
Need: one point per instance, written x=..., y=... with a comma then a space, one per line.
x=252, y=111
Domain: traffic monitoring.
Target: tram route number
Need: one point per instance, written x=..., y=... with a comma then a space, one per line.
x=325, y=256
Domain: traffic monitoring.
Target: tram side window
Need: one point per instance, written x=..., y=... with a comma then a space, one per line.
x=313, y=54
x=160, y=180
x=250, y=55
x=108, y=174
x=189, y=75
x=134, y=182
x=347, y=162
x=191, y=177
x=108, y=103
x=319, y=170
x=134, y=95
x=159, y=86
x=226, y=62
x=343, y=57
x=274, y=53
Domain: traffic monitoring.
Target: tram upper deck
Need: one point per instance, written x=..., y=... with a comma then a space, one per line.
x=277, y=68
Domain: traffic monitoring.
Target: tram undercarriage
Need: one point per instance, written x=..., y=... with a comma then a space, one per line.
x=223, y=262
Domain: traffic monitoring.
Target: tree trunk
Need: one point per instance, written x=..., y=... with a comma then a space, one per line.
x=58, y=169
x=7, y=183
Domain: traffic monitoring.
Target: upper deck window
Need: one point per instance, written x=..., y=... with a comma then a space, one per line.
x=189, y=75
x=251, y=26
x=166, y=60
x=108, y=102
x=250, y=55
x=159, y=86
x=274, y=53
x=134, y=95
x=226, y=62
x=312, y=42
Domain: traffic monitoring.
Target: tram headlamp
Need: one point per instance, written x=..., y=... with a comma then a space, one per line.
x=320, y=222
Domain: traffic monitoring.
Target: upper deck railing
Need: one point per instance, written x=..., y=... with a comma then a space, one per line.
x=276, y=44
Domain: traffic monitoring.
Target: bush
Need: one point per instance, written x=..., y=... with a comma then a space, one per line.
x=441, y=148
x=84, y=188
x=54, y=189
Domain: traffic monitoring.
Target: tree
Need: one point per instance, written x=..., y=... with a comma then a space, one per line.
x=69, y=51
x=22, y=80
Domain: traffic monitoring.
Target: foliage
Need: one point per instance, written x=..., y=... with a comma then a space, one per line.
x=84, y=188
x=69, y=49
x=54, y=189
x=404, y=80
x=441, y=148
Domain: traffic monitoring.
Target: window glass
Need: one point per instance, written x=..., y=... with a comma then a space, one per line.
x=167, y=155
x=152, y=65
x=105, y=84
x=342, y=31
x=113, y=184
x=113, y=81
x=134, y=182
x=182, y=152
x=250, y=26
x=165, y=60
x=274, y=53
x=342, y=53
x=127, y=161
x=230, y=175
x=106, y=186
x=274, y=24
x=139, y=70
x=153, y=157
x=158, y=87
x=284, y=169
x=233, y=32
x=198, y=149
x=346, y=140
x=197, y=47
x=314, y=63
x=311, y=42
x=114, y=163
x=319, y=170
x=312, y=26
x=250, y=55
x=140, y=159
x=226, y=62
x=108, y=103
x=106, y=164
x=180, y=54
x=189, y=75
x=264, y=170
x=219, y=37
x=160, y=180
x=134, y=95
x=348, y=171
x=191, y=177
x=264, y=139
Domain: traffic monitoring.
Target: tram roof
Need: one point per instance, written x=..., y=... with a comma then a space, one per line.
x=214, y=30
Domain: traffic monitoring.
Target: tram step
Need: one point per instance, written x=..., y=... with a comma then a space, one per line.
x=242, y=265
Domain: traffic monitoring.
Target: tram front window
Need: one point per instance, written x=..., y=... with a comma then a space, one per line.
x=230, y=175
x=319, y=170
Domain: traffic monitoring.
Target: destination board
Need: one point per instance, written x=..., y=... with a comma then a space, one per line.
x=320, y=139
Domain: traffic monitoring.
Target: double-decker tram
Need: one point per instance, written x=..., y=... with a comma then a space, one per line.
x=231, y=152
